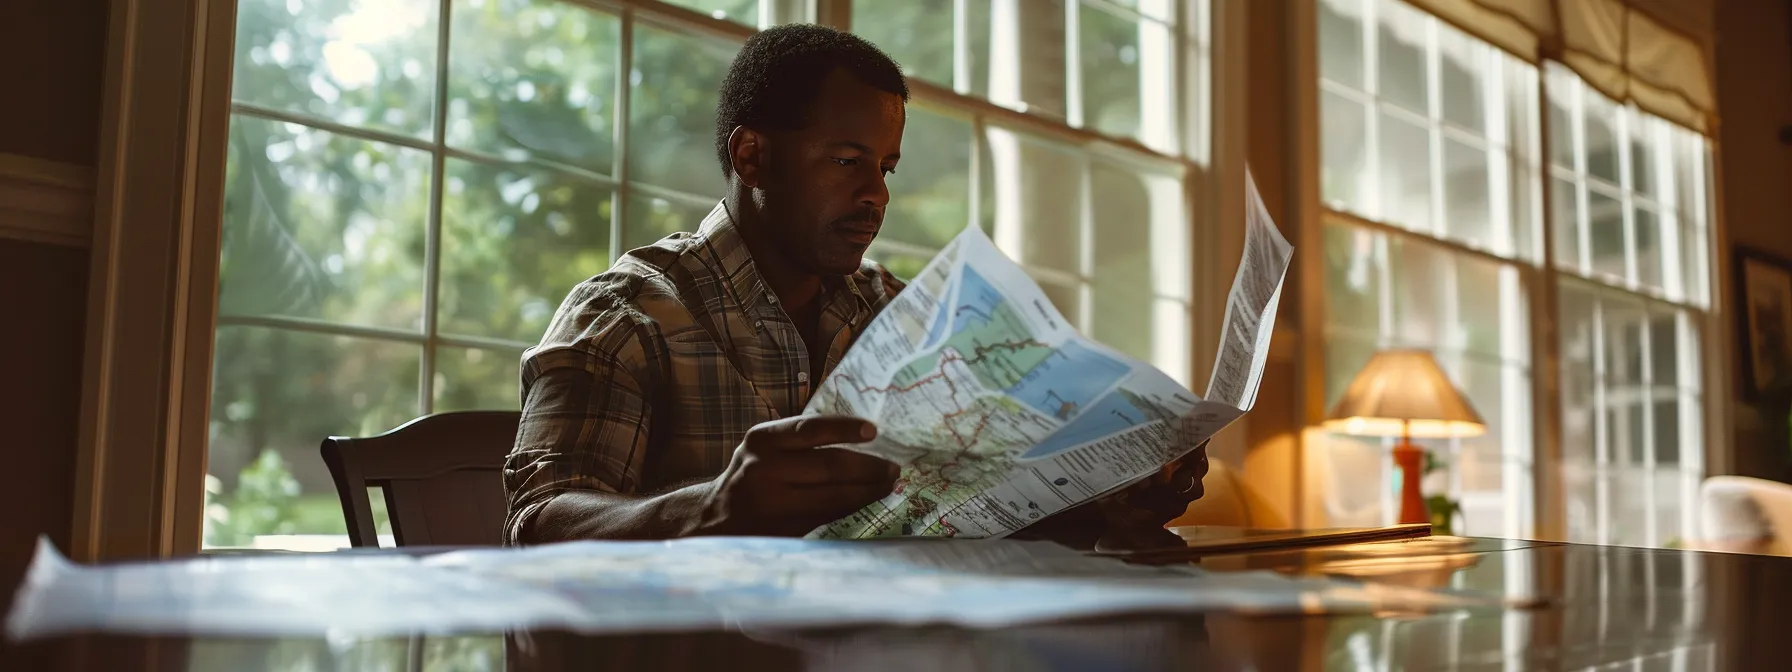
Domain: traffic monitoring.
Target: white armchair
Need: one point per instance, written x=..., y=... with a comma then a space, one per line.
x=1746, y=514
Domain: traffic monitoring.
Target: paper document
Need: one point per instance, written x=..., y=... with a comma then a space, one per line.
x=1001, y=414
x=657, y=586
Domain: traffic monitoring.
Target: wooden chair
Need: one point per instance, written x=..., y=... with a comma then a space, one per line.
x=441, y=474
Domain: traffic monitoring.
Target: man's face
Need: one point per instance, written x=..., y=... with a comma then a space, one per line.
x=823, y=186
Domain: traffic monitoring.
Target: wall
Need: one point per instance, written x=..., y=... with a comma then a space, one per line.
x=1754, y=88
x=51, y=53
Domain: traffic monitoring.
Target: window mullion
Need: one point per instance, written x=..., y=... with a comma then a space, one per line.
x=619, y=199
x=432, y=237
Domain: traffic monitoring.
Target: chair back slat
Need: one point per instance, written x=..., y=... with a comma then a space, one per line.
x=441, y=473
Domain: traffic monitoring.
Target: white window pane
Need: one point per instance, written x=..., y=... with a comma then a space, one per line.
x=1580, y=494
x=1343, y=176
x=1579, y=335
x=367, y=63
x=1690, y=176
x=1424, y=292
x=1405, y=160
x=1671, y=502
x=739, y=11
x=1154, y=330
x=1156, y=9
x=534, y=78
x=1650, y=250
x=1468, y=216
x=1345, y=355
x=1038, y=194
x=672, y=121
x=1525, y=210
x=1490, y=305
x=1601, y=137
x=917, y=33
x=1400, y=55
x=930, y=192
x=1341, y=41
x=515, y=238
x=1125, y=65
x=1623, y=322
x=1627, y=524
x=1645, y=155
x=1141, y=241
x=1605, y=235
x=1025, y=64
x=1067, y=299
x=477, y=379
x=1463, y=65
x=1564, y=201
x=322, y=226
x=1665, y=433
x=1355, y=272
x=275, y=394
x=1664, y=348
x=1694, y=260
x=1563, y=124
x=651, y=218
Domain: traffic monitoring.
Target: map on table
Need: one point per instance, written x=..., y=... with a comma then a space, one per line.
x=705, y=583
x=1001, y=414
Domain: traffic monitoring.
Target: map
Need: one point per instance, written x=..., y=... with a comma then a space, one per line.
x=1000, y=413
x=701, y=583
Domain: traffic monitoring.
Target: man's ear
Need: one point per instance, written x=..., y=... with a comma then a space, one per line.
x=747, y=152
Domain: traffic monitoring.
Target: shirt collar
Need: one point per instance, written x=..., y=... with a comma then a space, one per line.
x=742, y=275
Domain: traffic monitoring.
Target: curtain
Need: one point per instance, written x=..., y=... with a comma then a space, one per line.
x=1655, y=53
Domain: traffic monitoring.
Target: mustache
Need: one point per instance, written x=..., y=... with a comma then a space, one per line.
x=864, y=216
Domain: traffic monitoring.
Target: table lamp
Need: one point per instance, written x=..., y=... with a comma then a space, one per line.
x=1403, y=393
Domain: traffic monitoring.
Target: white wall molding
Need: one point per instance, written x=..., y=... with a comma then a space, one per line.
x=45, y=201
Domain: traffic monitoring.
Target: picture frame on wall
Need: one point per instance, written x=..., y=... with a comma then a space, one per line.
x=1764, y=315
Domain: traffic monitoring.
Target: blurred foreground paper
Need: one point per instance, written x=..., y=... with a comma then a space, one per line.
x=1001, y=414
x=689, y=584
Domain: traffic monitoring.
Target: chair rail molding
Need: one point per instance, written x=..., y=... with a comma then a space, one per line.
x=152, y=295
x=45, y=201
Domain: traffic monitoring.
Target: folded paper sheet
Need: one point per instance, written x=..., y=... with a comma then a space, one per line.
x=1001, y=414
x=688, y=584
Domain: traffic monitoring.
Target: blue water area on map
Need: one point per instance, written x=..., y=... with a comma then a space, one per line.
x=936, y=332
x=977, y=301
x=1113, y=413
x=1068, y=380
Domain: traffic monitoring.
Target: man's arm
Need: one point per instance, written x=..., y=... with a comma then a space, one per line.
x=579, y=452
x=590, y=514
x=578, y=455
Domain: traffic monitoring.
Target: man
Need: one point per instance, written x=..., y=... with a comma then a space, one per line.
x=664, y=400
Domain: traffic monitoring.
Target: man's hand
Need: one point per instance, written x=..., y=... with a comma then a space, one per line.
x=782, y=483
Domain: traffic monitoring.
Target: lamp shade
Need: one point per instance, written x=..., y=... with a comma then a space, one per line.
x=1404, y=393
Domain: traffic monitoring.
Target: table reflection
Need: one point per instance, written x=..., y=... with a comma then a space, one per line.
x=1607, y=606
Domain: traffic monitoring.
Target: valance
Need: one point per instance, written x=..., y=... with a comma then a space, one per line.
x=1655, y=53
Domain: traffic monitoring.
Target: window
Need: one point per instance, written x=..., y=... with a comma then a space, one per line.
x=1435, y=186
x=413, y=185
x=1429, y=144
x=1629, y=194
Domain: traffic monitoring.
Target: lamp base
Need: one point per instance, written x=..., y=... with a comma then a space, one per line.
x=1411, y=461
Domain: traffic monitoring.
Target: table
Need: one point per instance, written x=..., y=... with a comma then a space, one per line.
x=1643, y=609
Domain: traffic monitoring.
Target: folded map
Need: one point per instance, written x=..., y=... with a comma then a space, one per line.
x=1000, y=413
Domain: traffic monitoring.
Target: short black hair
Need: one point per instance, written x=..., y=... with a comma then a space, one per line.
x=778, y=73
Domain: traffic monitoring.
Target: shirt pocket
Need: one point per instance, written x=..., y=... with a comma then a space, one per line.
x=711, y=401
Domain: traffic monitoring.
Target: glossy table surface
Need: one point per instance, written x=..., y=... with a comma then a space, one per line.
x=1601, y=606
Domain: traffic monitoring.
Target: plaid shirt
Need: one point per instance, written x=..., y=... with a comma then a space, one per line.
x=652, y=372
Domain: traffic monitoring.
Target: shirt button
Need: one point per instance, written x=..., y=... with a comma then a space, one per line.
x=759, y=325
x=802, y=376
x=771, y=298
